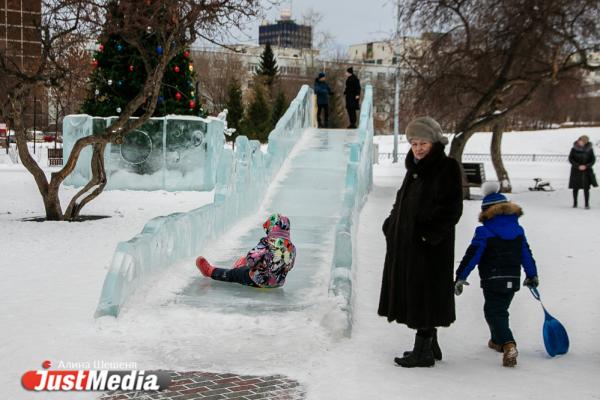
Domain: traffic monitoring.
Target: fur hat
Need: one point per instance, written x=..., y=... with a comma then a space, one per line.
x=491, y=195
x=425, y=128
x=350, y=70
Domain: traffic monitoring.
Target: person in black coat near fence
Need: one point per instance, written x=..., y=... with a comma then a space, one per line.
x=418, y=284
x=582, y=160
x=352, y=93
x=323, y=91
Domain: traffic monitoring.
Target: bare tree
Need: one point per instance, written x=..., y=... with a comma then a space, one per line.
x=494, y=55
x=172, y=24
x=216, y=71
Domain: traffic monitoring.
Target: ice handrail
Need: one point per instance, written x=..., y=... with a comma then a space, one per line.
x=359, y=181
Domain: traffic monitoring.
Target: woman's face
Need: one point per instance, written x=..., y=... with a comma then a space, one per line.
x=420, y=148
x=581, y=142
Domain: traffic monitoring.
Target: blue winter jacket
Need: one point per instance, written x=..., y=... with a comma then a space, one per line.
x=322, y=91
x=500, y=248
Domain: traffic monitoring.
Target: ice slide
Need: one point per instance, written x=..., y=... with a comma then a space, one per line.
x=324, y=182
x=311, y=195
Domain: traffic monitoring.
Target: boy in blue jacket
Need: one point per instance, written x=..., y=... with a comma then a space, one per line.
x=500, y=248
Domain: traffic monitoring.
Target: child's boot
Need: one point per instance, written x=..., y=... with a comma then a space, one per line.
x=509, y=359
x=494, y=346
x=204, y=266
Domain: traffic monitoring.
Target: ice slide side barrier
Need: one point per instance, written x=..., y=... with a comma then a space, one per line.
x=359, y=181
x=240, y=180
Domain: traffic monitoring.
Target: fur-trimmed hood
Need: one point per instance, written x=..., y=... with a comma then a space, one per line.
x=503, y=220
x=508, y=208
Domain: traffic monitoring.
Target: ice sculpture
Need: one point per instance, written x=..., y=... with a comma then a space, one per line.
x=241, y=179
x=359, y=180
x=170, y=153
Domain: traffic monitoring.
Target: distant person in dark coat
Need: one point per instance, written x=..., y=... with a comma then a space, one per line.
x=323, y=91
x=352, y=93
x=499, y=248
x=418, y=276
x=582, y=160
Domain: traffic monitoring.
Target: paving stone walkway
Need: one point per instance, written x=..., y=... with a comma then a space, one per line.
x=213, y=386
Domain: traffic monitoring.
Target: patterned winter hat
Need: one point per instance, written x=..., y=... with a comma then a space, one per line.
x=276, y=222
x=491, y=196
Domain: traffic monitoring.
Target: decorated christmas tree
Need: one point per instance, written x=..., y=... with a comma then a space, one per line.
x=119, y=74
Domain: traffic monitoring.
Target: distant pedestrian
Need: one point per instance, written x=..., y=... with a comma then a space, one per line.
x=499, y=248
x=323, y=91
x=582, y=160
x=352, y=93
x=418, y=274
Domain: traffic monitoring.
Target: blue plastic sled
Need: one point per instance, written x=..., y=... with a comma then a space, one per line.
x=556, y=339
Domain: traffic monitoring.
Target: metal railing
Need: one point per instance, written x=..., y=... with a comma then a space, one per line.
x=505, y=157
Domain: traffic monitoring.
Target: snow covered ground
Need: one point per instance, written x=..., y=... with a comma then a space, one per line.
x=53, y=274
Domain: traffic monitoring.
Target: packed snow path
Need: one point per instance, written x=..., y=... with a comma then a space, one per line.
x=310, y=193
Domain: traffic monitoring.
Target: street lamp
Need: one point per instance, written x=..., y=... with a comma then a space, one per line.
x=34, y=115
x=397, y=89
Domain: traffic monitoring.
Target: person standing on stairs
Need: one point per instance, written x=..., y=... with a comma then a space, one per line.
x=323, y=91
x=352, y=93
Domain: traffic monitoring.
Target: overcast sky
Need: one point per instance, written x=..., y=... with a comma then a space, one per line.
x=349, y=21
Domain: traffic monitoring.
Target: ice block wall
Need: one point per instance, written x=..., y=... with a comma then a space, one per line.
x=242, y=178
x=359, y=180
x=170, y=153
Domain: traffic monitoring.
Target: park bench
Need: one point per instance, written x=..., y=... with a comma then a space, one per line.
x=55, y=157
x=474, y=177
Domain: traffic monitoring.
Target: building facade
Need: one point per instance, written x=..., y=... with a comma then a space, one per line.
x=285, y=33
x=20, y=45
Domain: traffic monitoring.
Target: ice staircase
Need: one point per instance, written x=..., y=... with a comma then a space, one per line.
x=311, y=194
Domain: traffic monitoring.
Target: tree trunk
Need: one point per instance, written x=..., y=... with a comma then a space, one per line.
x=456, y=151
x=496, y=151
x=96, y=185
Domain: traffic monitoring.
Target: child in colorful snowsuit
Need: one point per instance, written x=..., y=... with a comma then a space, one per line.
x=266, y=265
x=499, y=247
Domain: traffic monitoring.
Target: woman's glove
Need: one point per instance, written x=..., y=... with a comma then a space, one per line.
x=458, y=286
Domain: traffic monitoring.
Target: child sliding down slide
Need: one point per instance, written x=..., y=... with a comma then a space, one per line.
x=266, y=265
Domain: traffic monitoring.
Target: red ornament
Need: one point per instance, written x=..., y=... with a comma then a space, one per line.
x=186, y=54
x=176, y=69
x=94, y=63
x=192, y=104
x=101, y=47
x=178, y=96
x=131, y=68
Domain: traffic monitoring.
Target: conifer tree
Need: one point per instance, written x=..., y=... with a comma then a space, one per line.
x=279, y=107
x=267, y=67
x=257, y=122
x=119, y=74
x=235, y=108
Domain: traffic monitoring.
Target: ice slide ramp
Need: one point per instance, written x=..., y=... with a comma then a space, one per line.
x=329, y=175
x=311, y=194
